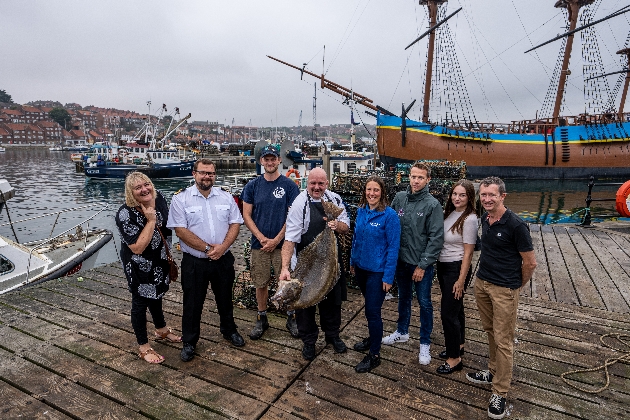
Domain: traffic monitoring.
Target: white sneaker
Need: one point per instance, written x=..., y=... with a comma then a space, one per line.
x=425, y=356
x=395, y=337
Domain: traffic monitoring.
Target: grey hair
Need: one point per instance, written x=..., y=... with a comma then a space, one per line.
x=494, y=180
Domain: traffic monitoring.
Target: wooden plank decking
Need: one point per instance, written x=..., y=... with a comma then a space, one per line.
x=67, y=350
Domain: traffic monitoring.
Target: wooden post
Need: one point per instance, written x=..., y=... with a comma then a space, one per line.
x=433, y=6
x=625, y=51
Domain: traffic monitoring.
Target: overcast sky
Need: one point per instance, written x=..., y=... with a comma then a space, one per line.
x=208, y=57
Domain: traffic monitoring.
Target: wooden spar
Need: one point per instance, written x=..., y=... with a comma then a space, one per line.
x=434, y=27
x=612, y=15
x=608, y=74
x=327, y=84
x=433, y=6
x=573, y=7
x=625, y=51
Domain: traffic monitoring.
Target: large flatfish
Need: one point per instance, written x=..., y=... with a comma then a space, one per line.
x=316, y=272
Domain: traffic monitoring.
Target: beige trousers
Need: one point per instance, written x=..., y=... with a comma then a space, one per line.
x=497, y=309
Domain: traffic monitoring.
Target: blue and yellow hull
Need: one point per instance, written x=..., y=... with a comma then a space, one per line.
x=569, y=152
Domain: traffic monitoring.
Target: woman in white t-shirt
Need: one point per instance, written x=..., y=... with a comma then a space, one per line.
x=454, y=269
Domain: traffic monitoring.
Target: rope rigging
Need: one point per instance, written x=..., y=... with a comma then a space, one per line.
x=550, y=96
x=623, y=62
x=595, y=88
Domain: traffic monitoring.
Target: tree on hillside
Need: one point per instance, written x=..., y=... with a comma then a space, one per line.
x=61, y=116
x=5, y=97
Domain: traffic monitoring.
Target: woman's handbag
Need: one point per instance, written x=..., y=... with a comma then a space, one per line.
x=174, y=271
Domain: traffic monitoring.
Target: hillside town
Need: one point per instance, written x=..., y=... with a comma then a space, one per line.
x=37, y=123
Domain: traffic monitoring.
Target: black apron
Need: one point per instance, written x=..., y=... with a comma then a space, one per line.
x=316, y=225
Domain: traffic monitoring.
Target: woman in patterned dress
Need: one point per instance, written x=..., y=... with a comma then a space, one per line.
x=144, y=257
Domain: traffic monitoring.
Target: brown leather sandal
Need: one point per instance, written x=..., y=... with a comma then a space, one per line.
x=144, y=354
x=165, y=336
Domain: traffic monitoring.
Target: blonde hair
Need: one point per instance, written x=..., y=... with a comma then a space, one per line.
x=129, y=181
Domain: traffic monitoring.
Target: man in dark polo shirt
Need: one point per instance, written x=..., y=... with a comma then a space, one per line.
x=506, y=264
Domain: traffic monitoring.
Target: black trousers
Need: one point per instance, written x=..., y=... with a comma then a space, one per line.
x=139, y=307
x=197, y=273
x=452, y=310
x=329, y=318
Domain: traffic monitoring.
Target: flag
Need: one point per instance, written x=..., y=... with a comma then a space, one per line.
x=352, y=118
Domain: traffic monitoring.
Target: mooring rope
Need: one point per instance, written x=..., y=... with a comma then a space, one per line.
x=624, y=358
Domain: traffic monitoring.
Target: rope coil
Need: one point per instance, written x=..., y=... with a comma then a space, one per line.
x=624, y=358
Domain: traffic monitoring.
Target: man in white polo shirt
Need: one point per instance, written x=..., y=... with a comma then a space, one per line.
x=206, y=220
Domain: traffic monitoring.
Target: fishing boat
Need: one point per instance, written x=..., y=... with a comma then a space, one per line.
x=555, y=147
x=51, y=257
x=145, y=153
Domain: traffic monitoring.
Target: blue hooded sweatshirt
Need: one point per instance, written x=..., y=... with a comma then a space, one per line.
x=376, y=241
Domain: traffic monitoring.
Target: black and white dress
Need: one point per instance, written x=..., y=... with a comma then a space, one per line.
x=148, y=273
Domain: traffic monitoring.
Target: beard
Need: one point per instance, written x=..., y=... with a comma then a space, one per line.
x=204, y=185
x=271, y=169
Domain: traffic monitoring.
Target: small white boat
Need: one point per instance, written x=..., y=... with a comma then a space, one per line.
x=56, y=149
x=69, y=252
x=2, y=149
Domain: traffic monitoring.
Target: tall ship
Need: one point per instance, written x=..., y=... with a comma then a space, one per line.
x=554, y=147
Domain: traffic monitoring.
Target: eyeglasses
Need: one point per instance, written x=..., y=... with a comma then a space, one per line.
x=485, y=195
x=204, y=173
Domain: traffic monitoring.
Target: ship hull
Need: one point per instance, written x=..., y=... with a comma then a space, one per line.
x=571, y=152
x=155, y=171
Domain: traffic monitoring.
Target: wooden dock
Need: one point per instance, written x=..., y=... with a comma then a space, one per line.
x=67, y=350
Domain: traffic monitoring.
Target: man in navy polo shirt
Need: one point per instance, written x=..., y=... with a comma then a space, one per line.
x=266, y=202
x=506, y=264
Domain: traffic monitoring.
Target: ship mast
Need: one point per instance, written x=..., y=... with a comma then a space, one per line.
x=625, y=51
x=573, y=7
x=432, y=5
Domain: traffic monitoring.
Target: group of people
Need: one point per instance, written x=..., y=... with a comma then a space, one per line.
x=408, y=240
x=405, y=242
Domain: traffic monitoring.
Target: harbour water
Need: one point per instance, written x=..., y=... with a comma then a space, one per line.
x=46, y=182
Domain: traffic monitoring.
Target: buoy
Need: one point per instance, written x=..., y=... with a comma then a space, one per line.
x=622, y=199
x=293, y=172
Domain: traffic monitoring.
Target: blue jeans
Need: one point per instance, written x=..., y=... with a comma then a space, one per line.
x=371, y=285
x=404, y=271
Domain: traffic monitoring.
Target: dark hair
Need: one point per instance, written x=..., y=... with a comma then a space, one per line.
x=458, y=226
x=423, y=166
x=203, y=161
x=493, y=180
x=383, y=202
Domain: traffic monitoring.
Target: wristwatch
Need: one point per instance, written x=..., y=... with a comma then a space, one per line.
x=208, y=247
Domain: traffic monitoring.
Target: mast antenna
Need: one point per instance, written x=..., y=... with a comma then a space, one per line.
x=315, y=113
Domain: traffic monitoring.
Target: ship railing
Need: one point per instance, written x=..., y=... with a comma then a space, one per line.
x=77, y=228
x=587, y=219
x=57, y=214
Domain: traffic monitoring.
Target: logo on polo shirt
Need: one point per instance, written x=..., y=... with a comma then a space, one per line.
x=278, y=192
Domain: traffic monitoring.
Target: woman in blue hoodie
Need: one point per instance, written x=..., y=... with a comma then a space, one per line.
x=373, y=262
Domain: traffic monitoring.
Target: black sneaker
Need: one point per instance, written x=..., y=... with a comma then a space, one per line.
x=188, y=352
x=368, y=363
x=482, y=377
x=443, y=355
x=292, y=326
x=261, y=326
x=496, y=408
x=308, y=351
x=338, y=345
x=363, y=345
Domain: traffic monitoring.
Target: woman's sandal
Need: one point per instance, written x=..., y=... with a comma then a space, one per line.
x=143, y=355
x=165, y=336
